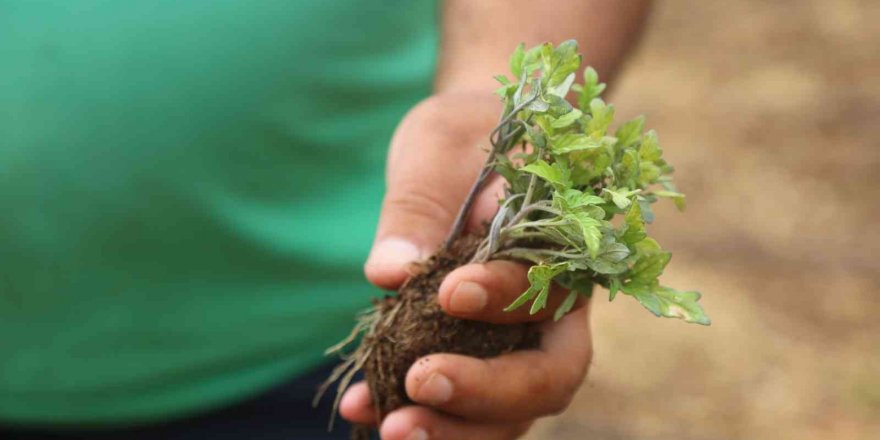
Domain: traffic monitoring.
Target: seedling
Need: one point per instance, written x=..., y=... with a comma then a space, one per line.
x=576, y=204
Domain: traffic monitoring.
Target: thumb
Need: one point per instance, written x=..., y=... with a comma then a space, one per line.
x=433, y=160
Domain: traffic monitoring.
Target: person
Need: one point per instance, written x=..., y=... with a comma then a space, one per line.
x=189, y=191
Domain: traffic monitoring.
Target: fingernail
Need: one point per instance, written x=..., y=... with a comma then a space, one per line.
x=468, y=297
x=393, y=253
x=437, y=389
x=417, y=434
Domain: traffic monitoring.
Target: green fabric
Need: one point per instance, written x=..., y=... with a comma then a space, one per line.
x=188, y=190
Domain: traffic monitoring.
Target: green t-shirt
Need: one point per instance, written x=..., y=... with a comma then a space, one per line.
x=188, y=190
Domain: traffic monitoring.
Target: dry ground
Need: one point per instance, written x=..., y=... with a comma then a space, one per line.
x=770, y=112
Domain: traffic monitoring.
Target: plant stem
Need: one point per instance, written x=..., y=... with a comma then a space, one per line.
x=535, y=224
x=503, y=144
x=531, y=189
x=533, y=181
x=526, y=252
x=458, y=225
x=527, y=209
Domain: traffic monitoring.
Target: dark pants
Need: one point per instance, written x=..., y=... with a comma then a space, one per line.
x=285, y=413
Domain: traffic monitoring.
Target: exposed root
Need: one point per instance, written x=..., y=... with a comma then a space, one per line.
x=352, y=363
x=402, y=328
x=365, y=320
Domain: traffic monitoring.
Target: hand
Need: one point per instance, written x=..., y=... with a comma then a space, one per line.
x=433, y=161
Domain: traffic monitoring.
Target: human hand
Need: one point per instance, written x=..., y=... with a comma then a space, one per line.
x=433, y=160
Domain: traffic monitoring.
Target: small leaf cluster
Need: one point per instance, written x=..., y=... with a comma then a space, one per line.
x=579, y=194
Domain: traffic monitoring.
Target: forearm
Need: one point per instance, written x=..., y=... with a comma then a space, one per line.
x=477, y=36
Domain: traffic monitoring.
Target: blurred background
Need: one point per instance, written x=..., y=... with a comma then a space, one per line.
x=770, y=112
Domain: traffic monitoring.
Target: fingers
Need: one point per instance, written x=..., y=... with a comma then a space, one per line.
x=497, y=392
x=420, y=423
x=433, y=161
x=482, y=291
x=356, y=405
x=520, y=385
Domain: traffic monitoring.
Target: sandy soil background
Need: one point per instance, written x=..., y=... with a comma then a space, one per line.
x=770, y=112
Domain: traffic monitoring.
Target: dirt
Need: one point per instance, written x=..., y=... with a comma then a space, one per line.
x=411, y=325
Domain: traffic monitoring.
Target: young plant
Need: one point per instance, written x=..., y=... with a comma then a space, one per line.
x=575, y=207
x=568, y=182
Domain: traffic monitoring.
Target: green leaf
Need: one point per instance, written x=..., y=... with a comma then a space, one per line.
x=650, y=148
x=502, y=79
x=577, y=281
x=621, y=199
x=566, y=61
x=540, y=276
x=561, y=89
x=643, y=293
x=647, y=212
x=613, y=288
x=650, y=267
x=670, y=303
x=558, y=106
x=525, y=297
x=570, y=142
x=566, y=49
x=572, y=199
x=532, y=60
x=545, y=123
x=546, y=53
x=682, y=305
x=516, y=60
x=605, y=267
x=591, y=165
x=651, y=262
x=634, y=225
x=628, y=169
x=566, y=305
x=554, y=174
x=505, y=168
x=591, y=77
x=611, y=260
x=589, y=228
x=629, y=133
x=539, y=105
x=602, y=115
x=536, y=137
x=614, y=252
x=540, y=301
x=590, y=90
x=677, y=198
x=505, y=91
x=648, y=173
x=567, y=119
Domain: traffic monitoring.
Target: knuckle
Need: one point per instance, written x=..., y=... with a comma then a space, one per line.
x=431, y=106
x=461, y=118
x=432, y=117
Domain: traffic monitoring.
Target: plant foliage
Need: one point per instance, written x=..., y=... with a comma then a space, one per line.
x=569, y=177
